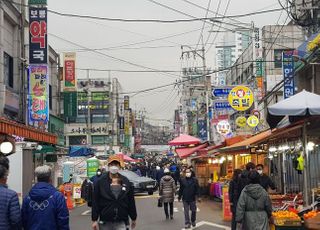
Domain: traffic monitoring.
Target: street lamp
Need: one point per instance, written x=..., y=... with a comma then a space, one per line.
x=6, y=146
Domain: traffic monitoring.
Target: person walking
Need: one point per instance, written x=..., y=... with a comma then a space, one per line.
x=254, y=205
x=10, y=215
x=244, y=180
x=265, y=180
x=167, y=192
x=159, y=174
x=234, y=194
x=44, y=208
x=113, y=199
x=189, y=192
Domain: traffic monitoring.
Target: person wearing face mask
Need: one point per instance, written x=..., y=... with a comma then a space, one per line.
x=113, y=199
x=189, y=192
x=265, y=180
x=96, y=177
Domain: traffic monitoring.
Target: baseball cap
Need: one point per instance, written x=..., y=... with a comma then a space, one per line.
x=116, y=158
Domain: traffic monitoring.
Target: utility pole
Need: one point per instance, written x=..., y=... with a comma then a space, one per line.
x=207, y=79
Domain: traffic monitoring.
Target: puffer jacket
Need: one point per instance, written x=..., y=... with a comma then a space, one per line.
x=254, y=208
x=10, y=217
x=44, y=208
x=167, y=189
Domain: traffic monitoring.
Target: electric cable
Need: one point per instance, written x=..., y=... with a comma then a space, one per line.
x=203, y=24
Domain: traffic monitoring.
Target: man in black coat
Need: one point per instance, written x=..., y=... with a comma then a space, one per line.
x=189, y=192
x=265, y=180
x=113, y=199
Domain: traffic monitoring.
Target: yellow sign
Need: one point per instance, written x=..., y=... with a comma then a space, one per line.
x=240, y=98
x=241, y=121
x=253, y=121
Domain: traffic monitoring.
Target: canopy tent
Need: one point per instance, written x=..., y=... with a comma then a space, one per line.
x=80, y=151
x=185, y=152
x=125, y=157
x=298, y=106
x=184, y=139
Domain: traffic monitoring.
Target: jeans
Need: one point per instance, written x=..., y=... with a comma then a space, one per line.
x=113, y=226
x=233, y=221
x=165, y=206
x=190, y=205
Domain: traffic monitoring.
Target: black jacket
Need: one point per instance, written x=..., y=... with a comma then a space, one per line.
x=189, y=189
x=266, y=182
x=105, y=205
x=243, y=181
x=234, y=192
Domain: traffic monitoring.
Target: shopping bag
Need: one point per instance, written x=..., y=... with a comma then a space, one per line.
x=159, y=202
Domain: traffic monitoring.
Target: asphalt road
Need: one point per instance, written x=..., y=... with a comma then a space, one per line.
x=150, y=217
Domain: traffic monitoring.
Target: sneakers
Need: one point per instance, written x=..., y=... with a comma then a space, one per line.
x=194, y=224
x=188, y=226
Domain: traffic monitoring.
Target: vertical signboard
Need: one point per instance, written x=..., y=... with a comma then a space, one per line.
x=288, y=74
x=38, y=95
x=258, y=67
x=126, y=103
x=69, y=72
x=202, y=128
x=38, y=43
x=70, y=106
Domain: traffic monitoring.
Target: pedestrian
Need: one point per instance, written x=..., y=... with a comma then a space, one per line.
x=96, y=177
x=113, y=199
x=189, y=192
x=167, y=192
x=4, y=161
x=44, y=208
x=159, y=173
x=10, y=214
x=265, y=180
x=244, y=180
x=234, y=194
x=254, y=206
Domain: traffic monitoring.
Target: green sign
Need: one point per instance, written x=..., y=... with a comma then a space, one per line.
x=92, y=167
x=70, y=106
x=37, y=2
x=259, y=67
x=56, y=126
x=101, y=140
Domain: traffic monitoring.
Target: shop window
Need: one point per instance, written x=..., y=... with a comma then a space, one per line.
x=8, y=70
x=77, y=140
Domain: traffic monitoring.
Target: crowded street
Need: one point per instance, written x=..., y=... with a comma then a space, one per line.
x=159, y=115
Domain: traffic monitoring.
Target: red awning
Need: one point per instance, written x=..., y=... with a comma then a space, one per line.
x=12, y=128
x=125, y=157
x=210, y=149
x=184, y=139
x=185, y=152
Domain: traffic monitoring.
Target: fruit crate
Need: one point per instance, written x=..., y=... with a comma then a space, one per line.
x=274, y=227
x=287, y=222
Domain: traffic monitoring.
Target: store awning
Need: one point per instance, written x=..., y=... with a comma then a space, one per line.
x=80, y=151
x=245, y=144
x=184, y=139
x=12, y=128
x=185, y=152
x=211, y=149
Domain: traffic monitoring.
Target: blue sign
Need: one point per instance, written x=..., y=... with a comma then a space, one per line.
x=221, y=105
x=202, y=127
x=221, y=92
x=288, y=74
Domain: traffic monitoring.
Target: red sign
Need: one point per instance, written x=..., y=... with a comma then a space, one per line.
x=69, y=72
x=227, y=214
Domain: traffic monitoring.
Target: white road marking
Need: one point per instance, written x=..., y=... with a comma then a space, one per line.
x=198, y=210
x=210, y=224
x=86, y=213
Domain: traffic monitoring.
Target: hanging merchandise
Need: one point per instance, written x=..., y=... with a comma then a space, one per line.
x=300, y=166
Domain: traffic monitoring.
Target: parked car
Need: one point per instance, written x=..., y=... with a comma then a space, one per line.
x=141, y=184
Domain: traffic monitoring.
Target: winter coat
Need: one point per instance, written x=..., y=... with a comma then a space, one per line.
x=44, y=208
x=189, y=189
x=159, y=175
x=254, y=208
x=10, y=216
x=167, y=189
x=87, y=191
x=109, y=208
x=266, y=182
x=234, y=194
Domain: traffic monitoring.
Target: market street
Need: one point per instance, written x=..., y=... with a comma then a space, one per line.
x=152, y=217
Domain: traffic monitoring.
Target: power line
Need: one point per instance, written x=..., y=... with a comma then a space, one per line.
x=203, y=24
x=217, y=11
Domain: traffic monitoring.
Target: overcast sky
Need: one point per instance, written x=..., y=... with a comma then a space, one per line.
x=159, y=104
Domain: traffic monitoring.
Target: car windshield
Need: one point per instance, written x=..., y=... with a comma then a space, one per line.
x=128, y=174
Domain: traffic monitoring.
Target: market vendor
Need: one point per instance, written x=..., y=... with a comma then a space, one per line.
x=265, y=180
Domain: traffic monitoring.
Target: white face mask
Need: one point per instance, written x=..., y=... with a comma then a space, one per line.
x=188, y=174
x=114, y=169
x=260, y=172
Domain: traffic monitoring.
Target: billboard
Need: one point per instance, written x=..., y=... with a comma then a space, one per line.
x=38, y=37
x=99, y=104
x=38, y=83
x=288, y=70
x=69, y=72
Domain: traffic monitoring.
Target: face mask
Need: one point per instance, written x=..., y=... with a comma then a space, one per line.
x=260, y=172
x=188, y=174
x=114, y=169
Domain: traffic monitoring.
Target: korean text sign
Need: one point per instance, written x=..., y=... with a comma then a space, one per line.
x=241, y=98
x=288, y=74
x=38, y=94
x=70, y=72
x=38, y=50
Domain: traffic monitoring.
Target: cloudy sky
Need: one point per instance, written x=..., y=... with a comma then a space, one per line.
x=144, y=46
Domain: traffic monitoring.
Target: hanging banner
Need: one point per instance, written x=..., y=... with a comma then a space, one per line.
x=38, y=95
x=202, y=128
x=288, y=74
x=38, y=42
x=70, y=106
x=126, y=103
x=69, y=72
x=241, y=98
